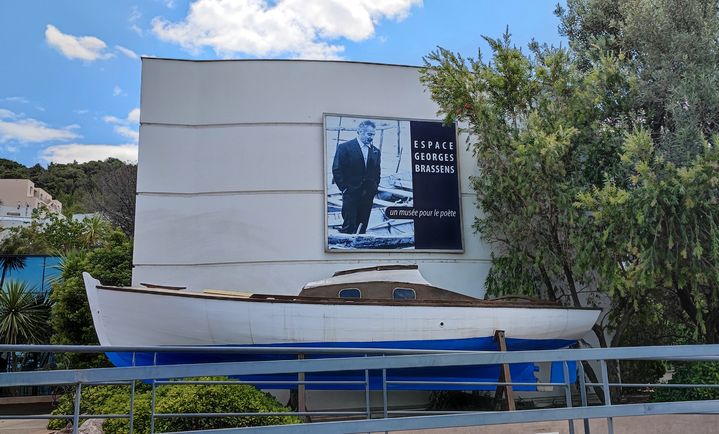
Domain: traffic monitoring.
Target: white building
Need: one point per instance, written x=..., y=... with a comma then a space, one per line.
x=19, y=198
x=231, y=191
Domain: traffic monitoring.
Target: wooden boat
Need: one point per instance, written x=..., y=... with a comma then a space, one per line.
x=379, y=307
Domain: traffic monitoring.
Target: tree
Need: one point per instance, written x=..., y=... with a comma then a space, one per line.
x=71, y=320
x=70, y=183
x=10, y=263
x=675, y=59
x=664, y=226
x=23, y=314
x=657, y=215
x=543, y=131
x=113, y=195
x=52, y=234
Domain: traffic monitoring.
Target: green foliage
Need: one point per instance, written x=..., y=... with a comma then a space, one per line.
x=9, y=261
x=674, y=48
x=542, y=131
x=24, y=314
x=598, y=163
x=691, y=373
x=654, y=322
x=663, y=227
x=71, y=319
x=216, y=398
x=69, y=183
x=49, y=234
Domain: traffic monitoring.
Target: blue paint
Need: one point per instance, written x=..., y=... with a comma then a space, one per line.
x=521, y=372
x=37, y=267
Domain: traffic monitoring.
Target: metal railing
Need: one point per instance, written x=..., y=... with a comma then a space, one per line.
x=374, y=360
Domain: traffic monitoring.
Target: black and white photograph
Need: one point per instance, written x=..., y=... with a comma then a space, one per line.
x=372, y=168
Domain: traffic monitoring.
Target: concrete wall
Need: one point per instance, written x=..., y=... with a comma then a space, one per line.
x=230, y=173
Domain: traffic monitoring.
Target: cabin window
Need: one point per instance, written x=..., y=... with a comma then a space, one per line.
x=404, y=294
x=350, y=293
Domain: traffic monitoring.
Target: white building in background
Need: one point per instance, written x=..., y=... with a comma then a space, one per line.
x=231, y=174
x=19, y=198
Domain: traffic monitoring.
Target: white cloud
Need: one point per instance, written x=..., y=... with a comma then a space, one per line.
x=84, y=152
x=123, y=127
x=20, y=99
x=134, y=115
x=128, y=133
x=7, y=114
x=170, y=4
x=117, y=91
x=127, y=52
x=135, y=16
x=34, y=131
x=11, y=149
x=88, y=48
x=300, y=28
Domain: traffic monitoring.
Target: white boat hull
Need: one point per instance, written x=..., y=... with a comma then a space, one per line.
x=130, y=318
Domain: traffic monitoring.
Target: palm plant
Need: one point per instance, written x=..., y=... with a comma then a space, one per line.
x=10, y=263
x=93, y=230
x=24, y=316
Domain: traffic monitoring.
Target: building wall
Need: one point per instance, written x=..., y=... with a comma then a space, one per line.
x=19, y=197
x=230, y=173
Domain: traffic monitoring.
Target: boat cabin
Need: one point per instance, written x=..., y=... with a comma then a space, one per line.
x=384, y=282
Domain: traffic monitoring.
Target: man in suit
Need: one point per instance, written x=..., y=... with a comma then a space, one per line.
x=356, y=171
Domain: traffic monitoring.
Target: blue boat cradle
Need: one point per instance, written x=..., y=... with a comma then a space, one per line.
x=520, y=372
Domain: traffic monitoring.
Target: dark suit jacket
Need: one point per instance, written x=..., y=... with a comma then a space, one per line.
x=349, y=171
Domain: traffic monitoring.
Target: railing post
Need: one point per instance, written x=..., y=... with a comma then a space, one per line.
x=152, y=408
x=384, y=392
x=301, y=404
x=152, y=401
x=132, y=398
x=76, y=411
x=583, y=394
x=368, y=408
x=568, y=394
x=607, y=395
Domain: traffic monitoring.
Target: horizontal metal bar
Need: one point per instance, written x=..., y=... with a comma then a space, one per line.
x=666, y=352
x=665, y=385
x=429, y=412
x=63, y=416
x=477, y=419
x=295, y=413
x=238, y=382
x=344, y=364
x=473, y=383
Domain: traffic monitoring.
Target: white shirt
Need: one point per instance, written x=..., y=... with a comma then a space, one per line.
x=365, y=150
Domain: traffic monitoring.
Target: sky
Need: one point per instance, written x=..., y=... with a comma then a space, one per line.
x=70, y=69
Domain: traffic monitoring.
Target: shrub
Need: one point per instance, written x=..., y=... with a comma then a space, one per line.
x=216, y=398
x=691, y=373
x=71, y=319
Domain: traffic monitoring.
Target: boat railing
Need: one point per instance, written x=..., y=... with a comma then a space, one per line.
x=376, y=361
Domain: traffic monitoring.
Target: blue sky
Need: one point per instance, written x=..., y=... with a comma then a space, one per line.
x=70, y=74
